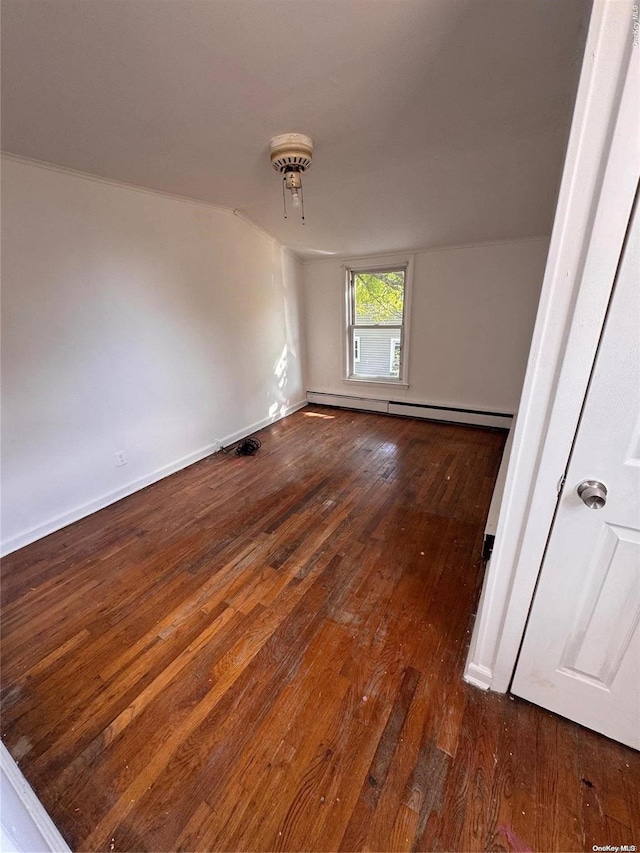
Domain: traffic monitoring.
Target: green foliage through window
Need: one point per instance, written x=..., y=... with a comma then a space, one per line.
x=379, y=297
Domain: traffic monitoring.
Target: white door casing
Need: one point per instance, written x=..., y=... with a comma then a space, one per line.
x=581, y=651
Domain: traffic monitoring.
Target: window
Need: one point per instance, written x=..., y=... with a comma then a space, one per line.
x=376, y=308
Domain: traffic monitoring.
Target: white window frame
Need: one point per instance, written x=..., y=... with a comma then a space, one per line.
x=378, y=264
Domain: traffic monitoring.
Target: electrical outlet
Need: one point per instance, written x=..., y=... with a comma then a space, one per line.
x=121, y=459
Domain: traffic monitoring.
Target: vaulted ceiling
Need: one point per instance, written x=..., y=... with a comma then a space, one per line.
x=435, y=122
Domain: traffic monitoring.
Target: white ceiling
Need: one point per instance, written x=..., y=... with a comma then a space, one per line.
x=435, y=122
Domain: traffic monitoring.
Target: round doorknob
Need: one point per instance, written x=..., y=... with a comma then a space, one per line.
x=593, y=493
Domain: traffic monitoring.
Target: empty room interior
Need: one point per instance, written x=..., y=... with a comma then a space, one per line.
x=320, y=425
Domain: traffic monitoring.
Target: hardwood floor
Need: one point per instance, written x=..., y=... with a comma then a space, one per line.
x=266, y=654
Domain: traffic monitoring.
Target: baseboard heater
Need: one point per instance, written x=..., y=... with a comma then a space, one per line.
x=449, y=414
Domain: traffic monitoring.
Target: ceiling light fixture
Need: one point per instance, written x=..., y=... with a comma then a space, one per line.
x=291, y=155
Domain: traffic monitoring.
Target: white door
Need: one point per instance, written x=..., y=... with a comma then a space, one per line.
x=581, y=651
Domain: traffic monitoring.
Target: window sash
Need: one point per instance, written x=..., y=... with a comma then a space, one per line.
x=352, y=295
x=353, y=329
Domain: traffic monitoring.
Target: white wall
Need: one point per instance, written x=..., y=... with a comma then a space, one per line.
x=472, y=318
x=131, y=321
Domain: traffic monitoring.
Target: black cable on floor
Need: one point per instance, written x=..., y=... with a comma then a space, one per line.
x=246, y=447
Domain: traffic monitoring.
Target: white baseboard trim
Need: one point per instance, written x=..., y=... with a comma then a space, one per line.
x=261, y=424
x=478, y=676
x=88, y=508
x=452, y=415
x=20, y=540
x=344, y=401
x=25, y=824
x=448, y=414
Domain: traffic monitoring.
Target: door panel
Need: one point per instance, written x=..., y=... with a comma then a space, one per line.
x=595, y=648
x=581, y=651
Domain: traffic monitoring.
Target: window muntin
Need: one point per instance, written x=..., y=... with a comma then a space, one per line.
x=376, y=308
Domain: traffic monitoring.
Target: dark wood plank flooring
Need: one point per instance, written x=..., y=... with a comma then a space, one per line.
x=266, y=654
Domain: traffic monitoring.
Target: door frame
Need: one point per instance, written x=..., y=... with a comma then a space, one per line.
x=599, y=181
x=24, y=822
